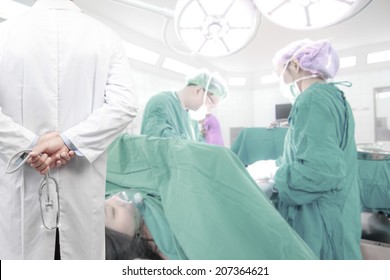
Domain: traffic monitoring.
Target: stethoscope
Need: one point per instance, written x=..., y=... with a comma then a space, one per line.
x=47, y=202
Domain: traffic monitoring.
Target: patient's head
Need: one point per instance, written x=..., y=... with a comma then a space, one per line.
x=126, y=236
x=122, y=216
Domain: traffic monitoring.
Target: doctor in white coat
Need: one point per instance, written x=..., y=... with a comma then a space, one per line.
x=60, y=70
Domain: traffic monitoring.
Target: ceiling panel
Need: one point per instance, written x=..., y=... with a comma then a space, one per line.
x=371, y=26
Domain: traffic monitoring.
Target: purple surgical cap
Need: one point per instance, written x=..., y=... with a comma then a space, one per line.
x=316, y=57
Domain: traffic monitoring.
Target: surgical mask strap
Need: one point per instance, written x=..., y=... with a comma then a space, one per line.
x=305, y=78
x=207, y=88
x=284, y=71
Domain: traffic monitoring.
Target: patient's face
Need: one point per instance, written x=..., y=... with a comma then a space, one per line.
x=120, y=215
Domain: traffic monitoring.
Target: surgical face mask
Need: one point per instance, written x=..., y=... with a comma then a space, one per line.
x=201, y=113
x=291, y=90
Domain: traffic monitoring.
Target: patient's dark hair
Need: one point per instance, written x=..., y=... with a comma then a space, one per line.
x=120, y=246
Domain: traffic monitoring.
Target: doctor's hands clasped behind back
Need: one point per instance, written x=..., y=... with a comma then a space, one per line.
x=50, y=152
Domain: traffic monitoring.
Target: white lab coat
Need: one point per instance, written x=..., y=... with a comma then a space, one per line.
x=60, y=70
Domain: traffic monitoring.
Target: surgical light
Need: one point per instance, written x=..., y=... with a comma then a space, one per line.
x=208, y=28
x=216, y=28
x=309, y=14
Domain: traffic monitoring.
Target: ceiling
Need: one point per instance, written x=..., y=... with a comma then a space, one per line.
x=368, y=28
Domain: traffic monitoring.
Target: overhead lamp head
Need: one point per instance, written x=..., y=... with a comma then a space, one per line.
x=218, y=27
x=309, y=14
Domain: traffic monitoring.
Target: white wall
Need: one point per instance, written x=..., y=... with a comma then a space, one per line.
x=361, y=98
x=236, y=111
x=264, y=101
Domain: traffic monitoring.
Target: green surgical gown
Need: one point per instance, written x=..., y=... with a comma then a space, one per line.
x=164, y=116
x=374, y=184
x=200, y=202
x=317, y=180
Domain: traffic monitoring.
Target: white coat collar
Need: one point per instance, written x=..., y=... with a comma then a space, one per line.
x=56, y=4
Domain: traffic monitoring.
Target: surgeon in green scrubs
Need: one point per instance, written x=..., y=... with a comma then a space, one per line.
x=166, y=113
x=317, y=179
x=190, y=201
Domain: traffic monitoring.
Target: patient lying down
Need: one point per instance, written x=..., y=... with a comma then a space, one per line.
x=206, y=208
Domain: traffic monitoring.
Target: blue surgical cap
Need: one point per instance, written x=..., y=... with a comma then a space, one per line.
x=216, y=86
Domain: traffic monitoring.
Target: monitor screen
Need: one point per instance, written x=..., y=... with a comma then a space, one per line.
x=282, y=111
